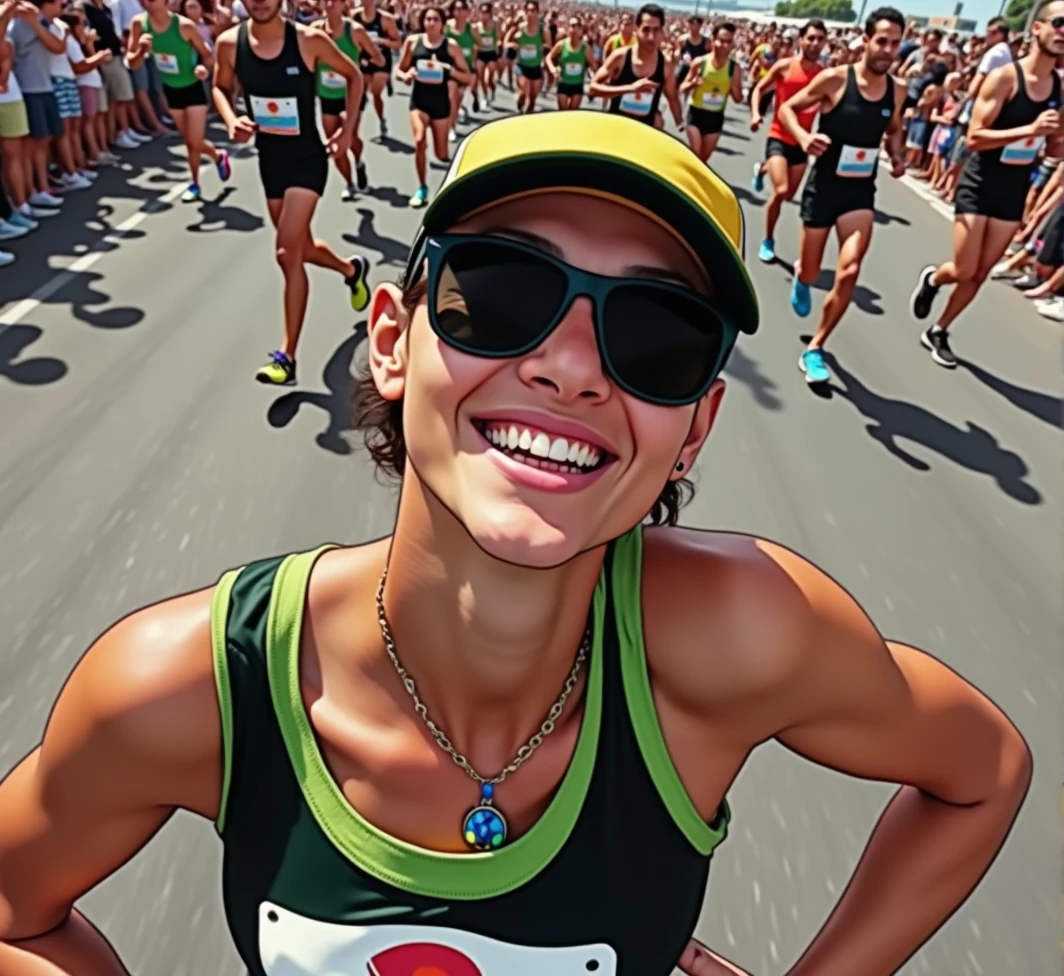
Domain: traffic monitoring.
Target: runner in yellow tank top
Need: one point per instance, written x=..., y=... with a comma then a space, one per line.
x=711, y=79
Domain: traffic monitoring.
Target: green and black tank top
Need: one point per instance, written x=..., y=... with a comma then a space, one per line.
x=610, y=880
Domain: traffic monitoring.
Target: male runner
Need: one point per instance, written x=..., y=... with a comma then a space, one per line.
x=1016, y=111
x=785, y=161
x=633, y=79
x=384, y=32
x=711, y=80
x=695, y=44
x=625, y=37
x=275, y=62
x=570, y=59
x=859, y=104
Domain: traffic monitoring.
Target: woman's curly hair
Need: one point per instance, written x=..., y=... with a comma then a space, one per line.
x=380, y=422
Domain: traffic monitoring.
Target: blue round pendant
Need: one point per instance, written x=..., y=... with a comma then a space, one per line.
x=484, y=828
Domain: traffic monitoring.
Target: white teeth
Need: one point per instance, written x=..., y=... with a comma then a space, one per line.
x=540, y=445
x=512, y=438
x=581, y=458
x=525, y=440
x=574, y=452
x=559, y=450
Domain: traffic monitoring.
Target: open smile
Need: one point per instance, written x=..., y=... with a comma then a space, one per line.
x=542, y=449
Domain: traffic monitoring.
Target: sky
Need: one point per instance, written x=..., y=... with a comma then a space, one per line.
x=980, y=10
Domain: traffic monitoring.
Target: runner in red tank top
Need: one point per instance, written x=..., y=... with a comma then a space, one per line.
x=784, y=160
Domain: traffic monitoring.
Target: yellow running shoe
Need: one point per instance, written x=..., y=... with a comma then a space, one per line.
x=279, y=371
x=357, y=283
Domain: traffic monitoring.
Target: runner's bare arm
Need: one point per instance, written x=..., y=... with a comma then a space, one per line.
x=460, y=72
x=736, y=83
x=391, y=32
x=892, y=138
x=671, y=95
x=888, y=712
x=821, y=93
x=135, y=51
x=769, y=81
x=551, y=60
x=403, y=71
x=222, y=86
x=135, y=735
x=191, y=33
x=995, y=91
x=601, y=85
x=318, y=48
x=694, y=76
x=366, y=43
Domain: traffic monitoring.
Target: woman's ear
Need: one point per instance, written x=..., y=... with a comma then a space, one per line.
x=701, y=425
x=388, y=323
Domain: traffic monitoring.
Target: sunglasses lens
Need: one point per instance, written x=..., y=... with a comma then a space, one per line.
x=662, y=344
x=1057, y=23
x=496, y=300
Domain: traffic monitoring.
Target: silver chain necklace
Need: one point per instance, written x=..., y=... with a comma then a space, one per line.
x=484, y=827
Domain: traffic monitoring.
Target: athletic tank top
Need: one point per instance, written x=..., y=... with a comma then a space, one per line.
x=856, y=127
x=429, y=77
x=375, y=28
x=690, y=50
x=489, y=38
x=465, y=40
x=530, y=48
x=642, y=106
x=611, y=880
x=711, y=95
x=175, y=59
x=330, y=84
x=794, y=79
x=281, y=96
x=573, y=63
x=617, y=41
x=1008, y=168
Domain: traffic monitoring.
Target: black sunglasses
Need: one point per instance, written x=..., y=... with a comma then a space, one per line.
x=498, y=298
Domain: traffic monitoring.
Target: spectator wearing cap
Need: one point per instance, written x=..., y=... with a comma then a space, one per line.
x=34, y=44
x=117, y=97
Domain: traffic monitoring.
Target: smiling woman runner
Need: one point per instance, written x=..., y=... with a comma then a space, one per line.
x=542, y=380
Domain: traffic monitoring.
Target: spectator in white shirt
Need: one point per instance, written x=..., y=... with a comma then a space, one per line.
x=66, y=95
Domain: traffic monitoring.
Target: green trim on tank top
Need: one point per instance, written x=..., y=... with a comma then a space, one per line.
x=405, y=866
x=628, y=598
x=219, y=621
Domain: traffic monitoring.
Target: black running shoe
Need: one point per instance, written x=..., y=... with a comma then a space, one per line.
x=361, y=179
x=937, y=340
x=924, y=295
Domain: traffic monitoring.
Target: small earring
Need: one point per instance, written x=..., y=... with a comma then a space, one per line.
x=679, y=465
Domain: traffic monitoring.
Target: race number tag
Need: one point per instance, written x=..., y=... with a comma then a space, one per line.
x=573, y=69
x=1023, y=152
x=373, y=36
x=857, y=161
x=487, y=42
x=330, y=79
x=713, y=102
x=276, y=116
x=167, y=64
x=429, y=72
x=637, y=103
x=529, y=52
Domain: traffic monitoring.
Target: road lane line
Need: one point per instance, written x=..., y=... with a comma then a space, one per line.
x=27, y=306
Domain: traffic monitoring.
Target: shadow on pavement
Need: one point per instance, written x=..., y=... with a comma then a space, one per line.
x=886, y=218
x=80, y=295
x=1042, y=406
x=747, y=371
x=336, y=403
x=391, y=251
x=214, y=216
x=28, y=372
x=396, y=146
x=972, y=447
x=389, y=195
x=865, y=298
x=733, y=134
x=747, y=197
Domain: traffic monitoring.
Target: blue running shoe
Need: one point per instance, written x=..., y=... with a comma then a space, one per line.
x=811, y=363
x=767, y=251
x=759, y=178
x=801, y=300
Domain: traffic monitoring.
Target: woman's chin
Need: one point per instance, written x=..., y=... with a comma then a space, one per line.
x=524, y=538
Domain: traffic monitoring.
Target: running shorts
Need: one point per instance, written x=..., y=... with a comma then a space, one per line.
x=332, y=106
x=511, y=54
x=191, y=96
x=282, y=173
x=570, y=89
x=823, y=206
x=706, y=122
x=793, y=154
x=531, y=74
x=487, y=57
x=435, y=104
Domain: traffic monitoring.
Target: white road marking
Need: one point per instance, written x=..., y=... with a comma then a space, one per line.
x=937, y=203
x=27, y=306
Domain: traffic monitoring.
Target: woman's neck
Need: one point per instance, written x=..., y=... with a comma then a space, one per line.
x=489, y=644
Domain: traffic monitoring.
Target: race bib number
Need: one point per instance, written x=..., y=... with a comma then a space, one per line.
x=857, y=162
x=467, y=53
x=573, y=69
x=167, y=64
x=637, y=103
x=430, y=72
x=1023, y=152
x=276, y=116
x=529, y=52
x=487, y=42
x=330, y=79
x=713, y=102
x=373, y=36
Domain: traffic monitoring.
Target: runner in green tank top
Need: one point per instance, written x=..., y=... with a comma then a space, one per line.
x=354, y=41
x=183, y=61
x=499, y=740
x=570, y=60
x=461, y=30
x=488, y=53
x=530, y=37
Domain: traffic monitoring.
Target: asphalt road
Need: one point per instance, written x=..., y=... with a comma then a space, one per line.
x=139, y=459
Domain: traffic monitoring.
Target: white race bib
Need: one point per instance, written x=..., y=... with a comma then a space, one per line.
x=857, y=162
x=573, y=69
x=637, y=103
x=529, y=52
x=330, y=79
x=373, y=36
x=713, y=102
x=276, y=116
x=167, y=64
x=1022, y=152
x=487, y=42
x=429, y=72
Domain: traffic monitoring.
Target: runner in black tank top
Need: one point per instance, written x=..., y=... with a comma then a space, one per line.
x=859, y=105
x=383, y=29
x=691, y=49
x=276, y=61
x=634, y=95
x=1005, y=151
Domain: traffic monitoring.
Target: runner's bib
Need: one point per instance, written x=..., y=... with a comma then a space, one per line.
x=1022, y=152
x=330, y=79
x=637, y=103
x=573, y=69
x=713, y=102
x=529, y=52
x=487, y=42
x=167, y=64
x=857, y=161
x=430, y=72
x=276, y=116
